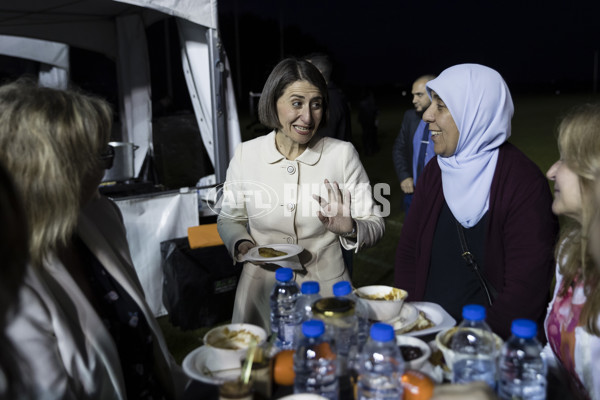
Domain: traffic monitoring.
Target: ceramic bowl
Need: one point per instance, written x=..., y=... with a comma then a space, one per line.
x=234, y=339
x=416, y=363
x=443, y=342
x=383, y=302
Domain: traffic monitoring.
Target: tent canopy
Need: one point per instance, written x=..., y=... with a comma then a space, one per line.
x=115, y=28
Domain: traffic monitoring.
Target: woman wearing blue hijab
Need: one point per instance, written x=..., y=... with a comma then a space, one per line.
x=483, y=196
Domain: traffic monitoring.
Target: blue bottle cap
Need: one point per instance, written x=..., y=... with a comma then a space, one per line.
x=284, y=274
x=342, y=288
x=310, y=287
x=474, y=312
x=313, y=328
x=523, y=328
x=382, y=332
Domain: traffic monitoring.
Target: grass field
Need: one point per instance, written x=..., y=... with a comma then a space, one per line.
x=533, y=131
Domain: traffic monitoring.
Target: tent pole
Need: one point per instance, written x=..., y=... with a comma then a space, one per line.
x=219, y=106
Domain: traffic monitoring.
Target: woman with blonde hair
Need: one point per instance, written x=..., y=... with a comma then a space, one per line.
x=573, y=320
x=83, y=325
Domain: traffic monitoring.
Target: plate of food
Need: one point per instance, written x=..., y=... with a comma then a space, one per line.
x=208, y=366
x=432, y=318
x=405, y=319
x=272, y=252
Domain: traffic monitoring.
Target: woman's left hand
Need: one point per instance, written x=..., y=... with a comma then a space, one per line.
x=335, y=214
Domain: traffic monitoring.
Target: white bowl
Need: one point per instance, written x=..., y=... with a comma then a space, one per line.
x=416, y=363
x=443, y=340
x=380, y=308
x=234, y=338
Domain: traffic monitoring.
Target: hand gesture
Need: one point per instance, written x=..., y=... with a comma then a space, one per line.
x=335, y=214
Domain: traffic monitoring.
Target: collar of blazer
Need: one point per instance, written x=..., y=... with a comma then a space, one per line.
x=311, y=155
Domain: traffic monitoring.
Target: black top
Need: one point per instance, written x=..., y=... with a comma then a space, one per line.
x=452, y=283
x=129, y=329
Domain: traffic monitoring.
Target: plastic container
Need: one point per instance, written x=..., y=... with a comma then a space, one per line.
x=315, y=362
x=284, y=317
x=522, y=366
x=310, y=294
x=474, y=348
x=380, y=366
x=344, y=289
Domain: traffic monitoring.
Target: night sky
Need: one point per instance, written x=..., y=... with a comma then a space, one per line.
x=537, y=45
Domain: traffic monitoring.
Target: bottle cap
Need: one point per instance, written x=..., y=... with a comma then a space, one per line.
x=284, y=274
x=382, y=332
x=473, y=312
x=523, y=328
x=342, y=288
x=313, y=328
x=310, y=287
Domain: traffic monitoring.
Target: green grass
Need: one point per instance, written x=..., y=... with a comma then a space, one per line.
x=533, y=131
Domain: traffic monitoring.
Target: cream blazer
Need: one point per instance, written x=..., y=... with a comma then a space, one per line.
x=70, y=353
x=267, y=199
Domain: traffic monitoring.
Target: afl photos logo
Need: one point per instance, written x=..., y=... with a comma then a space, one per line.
x=242, y=199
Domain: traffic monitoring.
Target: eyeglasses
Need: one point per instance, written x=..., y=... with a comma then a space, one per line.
x=107, y=157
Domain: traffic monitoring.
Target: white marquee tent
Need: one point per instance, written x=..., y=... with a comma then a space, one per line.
x=44, y=30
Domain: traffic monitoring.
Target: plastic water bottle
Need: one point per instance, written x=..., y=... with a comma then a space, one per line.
x=522, y=366
x=310, y=294
x=474, y=348
x=284, y=317
x=315, y=362
x=380, y=365
x=344, y=289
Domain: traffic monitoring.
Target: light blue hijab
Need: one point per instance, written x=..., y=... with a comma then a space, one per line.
x=482, y=108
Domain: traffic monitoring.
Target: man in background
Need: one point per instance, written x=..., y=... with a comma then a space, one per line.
x=413, y=148
x=338, y=121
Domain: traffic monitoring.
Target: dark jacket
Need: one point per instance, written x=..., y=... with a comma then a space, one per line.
x=402, y=152
x=519, y=246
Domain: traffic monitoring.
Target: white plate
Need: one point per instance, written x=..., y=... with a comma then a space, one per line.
x=436, y=314
x=208, y=366
x=290, y=249
x=408, y=316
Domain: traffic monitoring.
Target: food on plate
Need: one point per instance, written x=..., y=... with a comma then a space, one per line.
x=269, y=252
x=231, y=339
x=410, y=352
x=394, y=294
x=422, y=323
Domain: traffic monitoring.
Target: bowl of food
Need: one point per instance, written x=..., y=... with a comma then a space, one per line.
x=383, y=302
x=443, y=341
x=415, y=351
x=234, y=338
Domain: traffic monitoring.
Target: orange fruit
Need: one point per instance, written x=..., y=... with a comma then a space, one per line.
x=417, y=385
x=323, y=350
x=283, y=368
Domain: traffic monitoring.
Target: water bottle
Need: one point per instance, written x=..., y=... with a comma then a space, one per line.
x=522, y=366
x=284, y=318
x=315, y=362
x=310, y=294
x=474, y=348
x=344, y=289
x=380, y=366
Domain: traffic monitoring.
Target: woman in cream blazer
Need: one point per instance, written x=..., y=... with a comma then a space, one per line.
x=280, y=187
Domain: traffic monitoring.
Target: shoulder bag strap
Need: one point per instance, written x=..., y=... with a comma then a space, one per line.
x=470, y=259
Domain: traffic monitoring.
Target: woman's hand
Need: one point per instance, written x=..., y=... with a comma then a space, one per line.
x=244, y=246
x=335, y=214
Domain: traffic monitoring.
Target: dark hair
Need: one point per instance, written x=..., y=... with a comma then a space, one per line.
x=284, y=74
